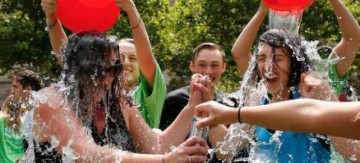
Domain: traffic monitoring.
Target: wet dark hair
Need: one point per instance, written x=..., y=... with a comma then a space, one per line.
x=292, y=44
x=29, y=78
x=87, y=61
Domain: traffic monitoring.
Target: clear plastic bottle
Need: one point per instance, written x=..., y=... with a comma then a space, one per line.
x=201, y=132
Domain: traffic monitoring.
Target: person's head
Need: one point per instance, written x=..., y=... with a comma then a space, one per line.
x=23, y=83
x=208, y=59
x=131, y=63
x=281, y=60
x=92, y=61
x=27, y=81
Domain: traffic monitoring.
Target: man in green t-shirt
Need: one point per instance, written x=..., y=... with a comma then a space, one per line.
x=144, y=78
x=11, y=115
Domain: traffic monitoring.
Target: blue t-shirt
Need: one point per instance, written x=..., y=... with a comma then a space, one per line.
x=291, y=147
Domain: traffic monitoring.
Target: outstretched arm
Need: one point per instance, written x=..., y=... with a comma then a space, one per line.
x=56, y=32
x=304, y=115
x=147, y=61
x=350, y=39
x=242, y=46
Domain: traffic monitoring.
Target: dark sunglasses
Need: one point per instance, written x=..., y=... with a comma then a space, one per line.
x=114, y=69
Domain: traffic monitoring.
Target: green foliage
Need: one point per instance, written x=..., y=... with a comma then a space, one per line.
x=24, y=42
x=173, y=30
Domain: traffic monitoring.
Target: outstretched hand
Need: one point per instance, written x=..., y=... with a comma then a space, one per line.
x=214, y=113
x=193, y=149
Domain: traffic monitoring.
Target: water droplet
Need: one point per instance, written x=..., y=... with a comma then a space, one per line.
x=353, y=158
x=54, y=141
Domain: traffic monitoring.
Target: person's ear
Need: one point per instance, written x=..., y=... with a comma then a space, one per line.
x=223, y=67
x=192, y=67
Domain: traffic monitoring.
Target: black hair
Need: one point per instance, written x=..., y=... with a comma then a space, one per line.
x=86, y=64
x=29, y=78
x=292, y=44
x=87, y=58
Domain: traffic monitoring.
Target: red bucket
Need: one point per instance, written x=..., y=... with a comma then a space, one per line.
x=83, y=15
x=287, y=5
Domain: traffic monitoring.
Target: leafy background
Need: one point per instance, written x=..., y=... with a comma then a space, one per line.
x=174, y=30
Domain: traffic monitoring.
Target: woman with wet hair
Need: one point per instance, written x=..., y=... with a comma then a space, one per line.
x=279, y=70
x=62, y=127
x=280, y=63
x=143, y=74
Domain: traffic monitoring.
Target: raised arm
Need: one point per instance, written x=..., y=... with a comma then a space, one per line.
x=56, y=32
x=241, y=49
x=350, y=37
x=147, y=61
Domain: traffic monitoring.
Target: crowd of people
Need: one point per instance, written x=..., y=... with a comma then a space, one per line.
x=110, y=104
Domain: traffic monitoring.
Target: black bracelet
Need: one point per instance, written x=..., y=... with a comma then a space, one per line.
x=49, y=26
x=239, y=120
x=138, y=23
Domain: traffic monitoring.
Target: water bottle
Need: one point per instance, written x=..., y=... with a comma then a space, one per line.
x=201, y=132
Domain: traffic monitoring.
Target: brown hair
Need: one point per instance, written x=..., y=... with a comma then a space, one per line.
x=207, y=45
x=29, y=78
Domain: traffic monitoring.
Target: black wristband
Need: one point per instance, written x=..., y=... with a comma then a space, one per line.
x=239, y=120
x=137, y=24
x=49, y=26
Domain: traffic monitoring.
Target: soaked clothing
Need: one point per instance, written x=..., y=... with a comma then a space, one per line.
x=11, y=143
x=115, y=135
x=151, y=100
x=290, y=146
x=298, y=147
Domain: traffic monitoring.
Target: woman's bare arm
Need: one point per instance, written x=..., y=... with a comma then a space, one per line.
x=242, y=46
x=350, y=37
x=303, y=115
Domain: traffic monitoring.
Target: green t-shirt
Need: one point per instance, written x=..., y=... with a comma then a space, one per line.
x=336, y=82
x=151, y=100
x=11, y=144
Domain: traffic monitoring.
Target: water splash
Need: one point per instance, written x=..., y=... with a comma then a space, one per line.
x=251, y=92
x=69, y=155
